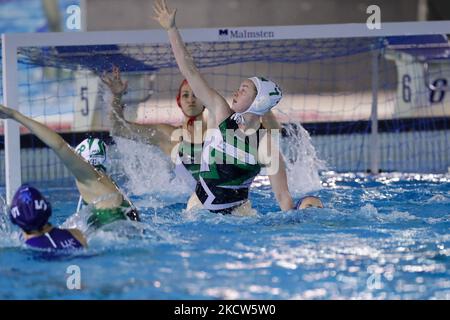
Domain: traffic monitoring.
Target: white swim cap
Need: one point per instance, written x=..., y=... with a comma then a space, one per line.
x=268, y=95
x=93, y=150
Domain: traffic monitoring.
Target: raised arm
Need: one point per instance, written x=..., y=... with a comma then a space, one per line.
x=269, y=155
x=212, y=100
x=280, y=188
x=158, y=134
x=90, y=182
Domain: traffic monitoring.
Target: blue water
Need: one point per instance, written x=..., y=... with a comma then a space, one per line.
x=378, y=238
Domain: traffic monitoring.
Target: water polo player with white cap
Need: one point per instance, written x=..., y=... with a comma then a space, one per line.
x=224, y=185
x=95, y=186
x=93, y=150
x=185, y=148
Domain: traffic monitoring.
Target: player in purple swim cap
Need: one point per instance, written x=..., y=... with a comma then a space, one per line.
x=31, y=212
x=309, y=202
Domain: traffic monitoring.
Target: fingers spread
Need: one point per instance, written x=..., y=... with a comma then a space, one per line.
x=164, y=4
x=105, y=79
x=116, y=74
x=157, y=10
x=158, y=6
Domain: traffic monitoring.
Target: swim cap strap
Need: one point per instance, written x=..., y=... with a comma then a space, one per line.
x=239, y=117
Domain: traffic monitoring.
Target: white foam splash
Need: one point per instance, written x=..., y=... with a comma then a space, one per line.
x=303, y=164
x=78, y=220
x=10, y=239
x=146, y=168
x=5, y=224
x=116, y=233
x=147, y=171
x=398, y=216
x=370, y=212
x=438, y=198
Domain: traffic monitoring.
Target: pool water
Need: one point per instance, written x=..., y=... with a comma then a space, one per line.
x=384, y=237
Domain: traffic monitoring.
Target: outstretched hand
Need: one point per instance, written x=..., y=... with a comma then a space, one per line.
x=163, y=15
x=6, y=113
x=114, y=82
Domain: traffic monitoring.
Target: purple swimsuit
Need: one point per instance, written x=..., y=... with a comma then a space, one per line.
x=55, y=239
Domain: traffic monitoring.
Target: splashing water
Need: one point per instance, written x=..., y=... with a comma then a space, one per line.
x=118, y=233
x=302, y=162
x=8, y=237
x=4, y=219
x=146, y=170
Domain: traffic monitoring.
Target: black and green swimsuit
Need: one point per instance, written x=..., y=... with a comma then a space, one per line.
x=229, y=165
x=188, y=162
x=102, y=217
